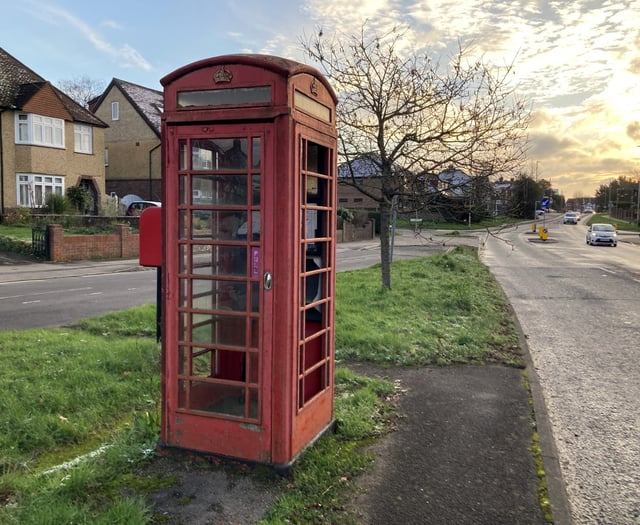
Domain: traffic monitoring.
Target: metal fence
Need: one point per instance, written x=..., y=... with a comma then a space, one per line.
x=40, y=242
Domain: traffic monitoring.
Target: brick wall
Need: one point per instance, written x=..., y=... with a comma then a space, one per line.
x=119, y=245
x=125, y=245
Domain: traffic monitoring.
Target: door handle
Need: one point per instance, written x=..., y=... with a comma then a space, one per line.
x=267, y=281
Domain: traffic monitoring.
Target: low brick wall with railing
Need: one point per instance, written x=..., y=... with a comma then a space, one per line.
x=121, y=244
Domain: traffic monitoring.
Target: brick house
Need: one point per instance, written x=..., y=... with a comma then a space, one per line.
x=132, y=141
x=48, y=142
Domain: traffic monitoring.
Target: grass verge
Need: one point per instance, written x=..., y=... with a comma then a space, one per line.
x=72, y=390
x=605, y=219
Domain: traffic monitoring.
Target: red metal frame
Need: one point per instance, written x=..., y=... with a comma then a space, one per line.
x=249, y=206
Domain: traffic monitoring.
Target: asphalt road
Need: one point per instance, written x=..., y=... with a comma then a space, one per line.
x=44, y=295
x=579, y=307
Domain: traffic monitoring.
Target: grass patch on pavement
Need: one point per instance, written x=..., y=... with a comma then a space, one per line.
x=96, y=386
x=442, y=309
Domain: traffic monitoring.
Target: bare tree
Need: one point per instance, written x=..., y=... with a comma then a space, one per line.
x=411, y=118
x=82, y=89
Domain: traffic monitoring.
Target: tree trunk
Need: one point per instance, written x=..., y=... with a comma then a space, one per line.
x=385, y=245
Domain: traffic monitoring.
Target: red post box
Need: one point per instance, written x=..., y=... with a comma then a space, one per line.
x=150, y=238
x=249, y=200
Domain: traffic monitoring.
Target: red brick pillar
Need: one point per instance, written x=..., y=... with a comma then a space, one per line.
x=55, y=235
x=122, y=232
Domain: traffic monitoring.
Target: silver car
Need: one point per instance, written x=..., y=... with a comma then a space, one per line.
x=571, y=217
x=602, y=234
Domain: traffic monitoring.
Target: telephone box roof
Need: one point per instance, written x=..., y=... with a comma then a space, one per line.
x=279, y=65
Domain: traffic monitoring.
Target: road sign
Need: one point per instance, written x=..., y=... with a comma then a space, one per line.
x=545, y=202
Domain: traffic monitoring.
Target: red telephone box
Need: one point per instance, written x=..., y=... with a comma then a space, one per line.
x=248, y=257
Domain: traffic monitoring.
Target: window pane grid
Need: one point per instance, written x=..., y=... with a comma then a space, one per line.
x=316, y=207
x=32, y=190
x=219, y=249
x=39, y=130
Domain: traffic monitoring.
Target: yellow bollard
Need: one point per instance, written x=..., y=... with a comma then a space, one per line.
x=533, y=226
x=543, y=233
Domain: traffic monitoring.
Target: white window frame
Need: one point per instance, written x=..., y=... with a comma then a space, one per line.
x=39, y=130
x=32, y=189
x=115, y=111
x=83, y=138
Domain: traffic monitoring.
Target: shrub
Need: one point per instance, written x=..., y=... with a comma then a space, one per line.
x=55, y=204
x=17, y=217
x=79, y=198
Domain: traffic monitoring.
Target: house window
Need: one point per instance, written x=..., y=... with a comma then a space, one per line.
x=82, y=137
x=115, y=111
x=39, y=130
x=106, y=157
x=33, y=190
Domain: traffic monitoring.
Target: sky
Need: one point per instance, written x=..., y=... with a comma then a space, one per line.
x=576, y=62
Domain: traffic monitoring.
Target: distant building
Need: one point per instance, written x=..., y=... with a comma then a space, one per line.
x=132, y=141
x=48, y=142
x=362, y=172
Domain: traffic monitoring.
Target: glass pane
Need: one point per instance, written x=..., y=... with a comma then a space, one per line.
x=243, y=232
x=219, y=295
x=230, y=365
x=228, y=400
x=202, y=363
x=255, y=297
x=182, y=225
x=212, y=397
x=220, y=97
x=219, y=225
x=183, y=326
x=235, y=157
x=255, y=151
x=183, y=291
x=182, y=190
x=233, y=296
x=200, y=224
x=203, y=294
x=182, y=259
x=255, y=189
x=218, y=329
x=219, y=260
x=219, y=190
x=314, y=223
x=255, y=333
x=182, y=163
x=253, y=403
x=183, y=360
x=219, y=154
x=253, y=369
x=317, y=158
x=204, y=155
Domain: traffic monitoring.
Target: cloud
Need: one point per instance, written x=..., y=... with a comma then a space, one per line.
x=111, y=24
x=633, y=131
x=125, y=55
x=547, y=146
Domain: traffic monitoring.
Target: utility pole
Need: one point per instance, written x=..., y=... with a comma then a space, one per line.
x=638, y=203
